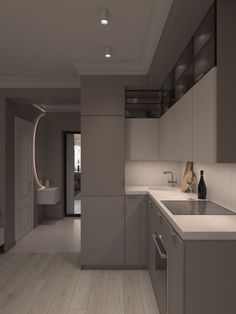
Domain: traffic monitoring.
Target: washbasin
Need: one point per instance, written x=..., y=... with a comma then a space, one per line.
x=48, y=196
x=160, y=188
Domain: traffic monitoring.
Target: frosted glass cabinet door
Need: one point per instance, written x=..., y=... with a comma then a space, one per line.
x=205, y=118
x=183, y=128
x=102, y=140
x=167, y=135
x=142, y=139
x=102, y=231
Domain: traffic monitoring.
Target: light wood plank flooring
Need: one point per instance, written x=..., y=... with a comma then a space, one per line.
x=52, y=283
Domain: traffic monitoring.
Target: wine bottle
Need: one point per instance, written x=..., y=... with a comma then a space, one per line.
x=202, y=189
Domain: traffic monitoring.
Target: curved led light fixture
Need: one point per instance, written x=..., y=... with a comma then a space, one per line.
x=39, y=185
x=104, y=17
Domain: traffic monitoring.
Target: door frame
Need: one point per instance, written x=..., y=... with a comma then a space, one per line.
x=19, y=120
x=65, y=183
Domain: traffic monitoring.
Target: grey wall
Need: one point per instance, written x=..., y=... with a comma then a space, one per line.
x=184, y=18
x=2, y=159
x=28, y=113
x=50, y=154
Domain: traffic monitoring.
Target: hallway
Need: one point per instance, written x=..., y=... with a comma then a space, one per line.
x=54, y=236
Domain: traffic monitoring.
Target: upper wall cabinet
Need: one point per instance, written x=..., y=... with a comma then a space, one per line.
x=183, y=128
x=198, y=57
x=142, y=139
x=167, y=135
x=205, y=118
x=143, y=103
x=102, y=95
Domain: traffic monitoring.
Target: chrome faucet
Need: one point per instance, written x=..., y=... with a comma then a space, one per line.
x=172, y=181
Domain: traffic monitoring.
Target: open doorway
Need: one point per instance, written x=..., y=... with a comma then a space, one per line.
x=72, y=173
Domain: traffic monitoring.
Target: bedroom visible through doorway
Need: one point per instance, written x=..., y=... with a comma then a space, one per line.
x=72, y=173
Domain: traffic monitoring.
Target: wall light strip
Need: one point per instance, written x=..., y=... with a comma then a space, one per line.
x=39, y=185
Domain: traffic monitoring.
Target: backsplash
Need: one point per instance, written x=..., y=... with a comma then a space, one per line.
x=150, y=172
x=220, y=181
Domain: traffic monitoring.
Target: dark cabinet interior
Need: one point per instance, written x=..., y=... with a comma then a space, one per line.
x=198, y=57
x=143, y=103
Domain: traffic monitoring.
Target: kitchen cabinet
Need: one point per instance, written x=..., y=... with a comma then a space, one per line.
x=205, y=118
x=157, y=267
x=183, y=128
x=142, y=139
x=102, y=231
x=200, y=274
x=102, y=148
x=136, y=230
x=167, y=135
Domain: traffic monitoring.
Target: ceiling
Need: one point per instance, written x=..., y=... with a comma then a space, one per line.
x=50, y=42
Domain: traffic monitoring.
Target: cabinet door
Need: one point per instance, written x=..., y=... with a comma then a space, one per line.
x=136, y=230
x=102, y=95
x=142, y=139
x=175, y=268
x=183, y=125
x=205, y=118
x=102, y=139
x=102, y=231
x=167, y=135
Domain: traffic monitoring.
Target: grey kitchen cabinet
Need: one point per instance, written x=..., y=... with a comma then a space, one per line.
x=102, y=155
x=157, y=267
x=183, y=128
x=102, y=95
x=136, y=230
x=142, y=139
x=200, y=274
x=205, y=118
x=175, y=267
x=102, y=231
x=167, y=135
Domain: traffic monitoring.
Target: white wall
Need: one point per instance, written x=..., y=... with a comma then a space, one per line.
x=150, y=172
x=221, y=183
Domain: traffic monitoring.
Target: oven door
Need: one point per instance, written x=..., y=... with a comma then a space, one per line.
x=160, y=271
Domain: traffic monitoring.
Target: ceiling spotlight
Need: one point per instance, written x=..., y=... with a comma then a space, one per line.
x=104, y=17
x=107, y=52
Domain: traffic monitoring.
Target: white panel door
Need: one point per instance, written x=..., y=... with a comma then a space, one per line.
x=23, y=178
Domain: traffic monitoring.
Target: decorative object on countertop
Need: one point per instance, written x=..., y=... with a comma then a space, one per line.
x=202, y=189
x=188, y=181
x=47, y=184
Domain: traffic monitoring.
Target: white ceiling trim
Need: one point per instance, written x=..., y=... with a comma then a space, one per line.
x=39, y=82
x=158, y=15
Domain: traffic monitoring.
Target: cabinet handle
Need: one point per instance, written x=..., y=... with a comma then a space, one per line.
x=162, y=255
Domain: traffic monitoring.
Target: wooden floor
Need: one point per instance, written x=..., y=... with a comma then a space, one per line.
x=38, y=283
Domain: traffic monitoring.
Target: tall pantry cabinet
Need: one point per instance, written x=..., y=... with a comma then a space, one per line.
x=103, y=158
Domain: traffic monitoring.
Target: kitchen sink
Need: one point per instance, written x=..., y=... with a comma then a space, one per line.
x=159, y=188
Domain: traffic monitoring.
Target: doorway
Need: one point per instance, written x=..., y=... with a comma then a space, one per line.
x=72, y=166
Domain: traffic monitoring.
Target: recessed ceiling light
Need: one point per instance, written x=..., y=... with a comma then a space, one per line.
x=104, y=17
x=107, y=52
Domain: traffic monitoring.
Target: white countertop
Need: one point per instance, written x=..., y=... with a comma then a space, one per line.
x=189, y=227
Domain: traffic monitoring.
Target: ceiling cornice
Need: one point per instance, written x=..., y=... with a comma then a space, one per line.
x=39, y=82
